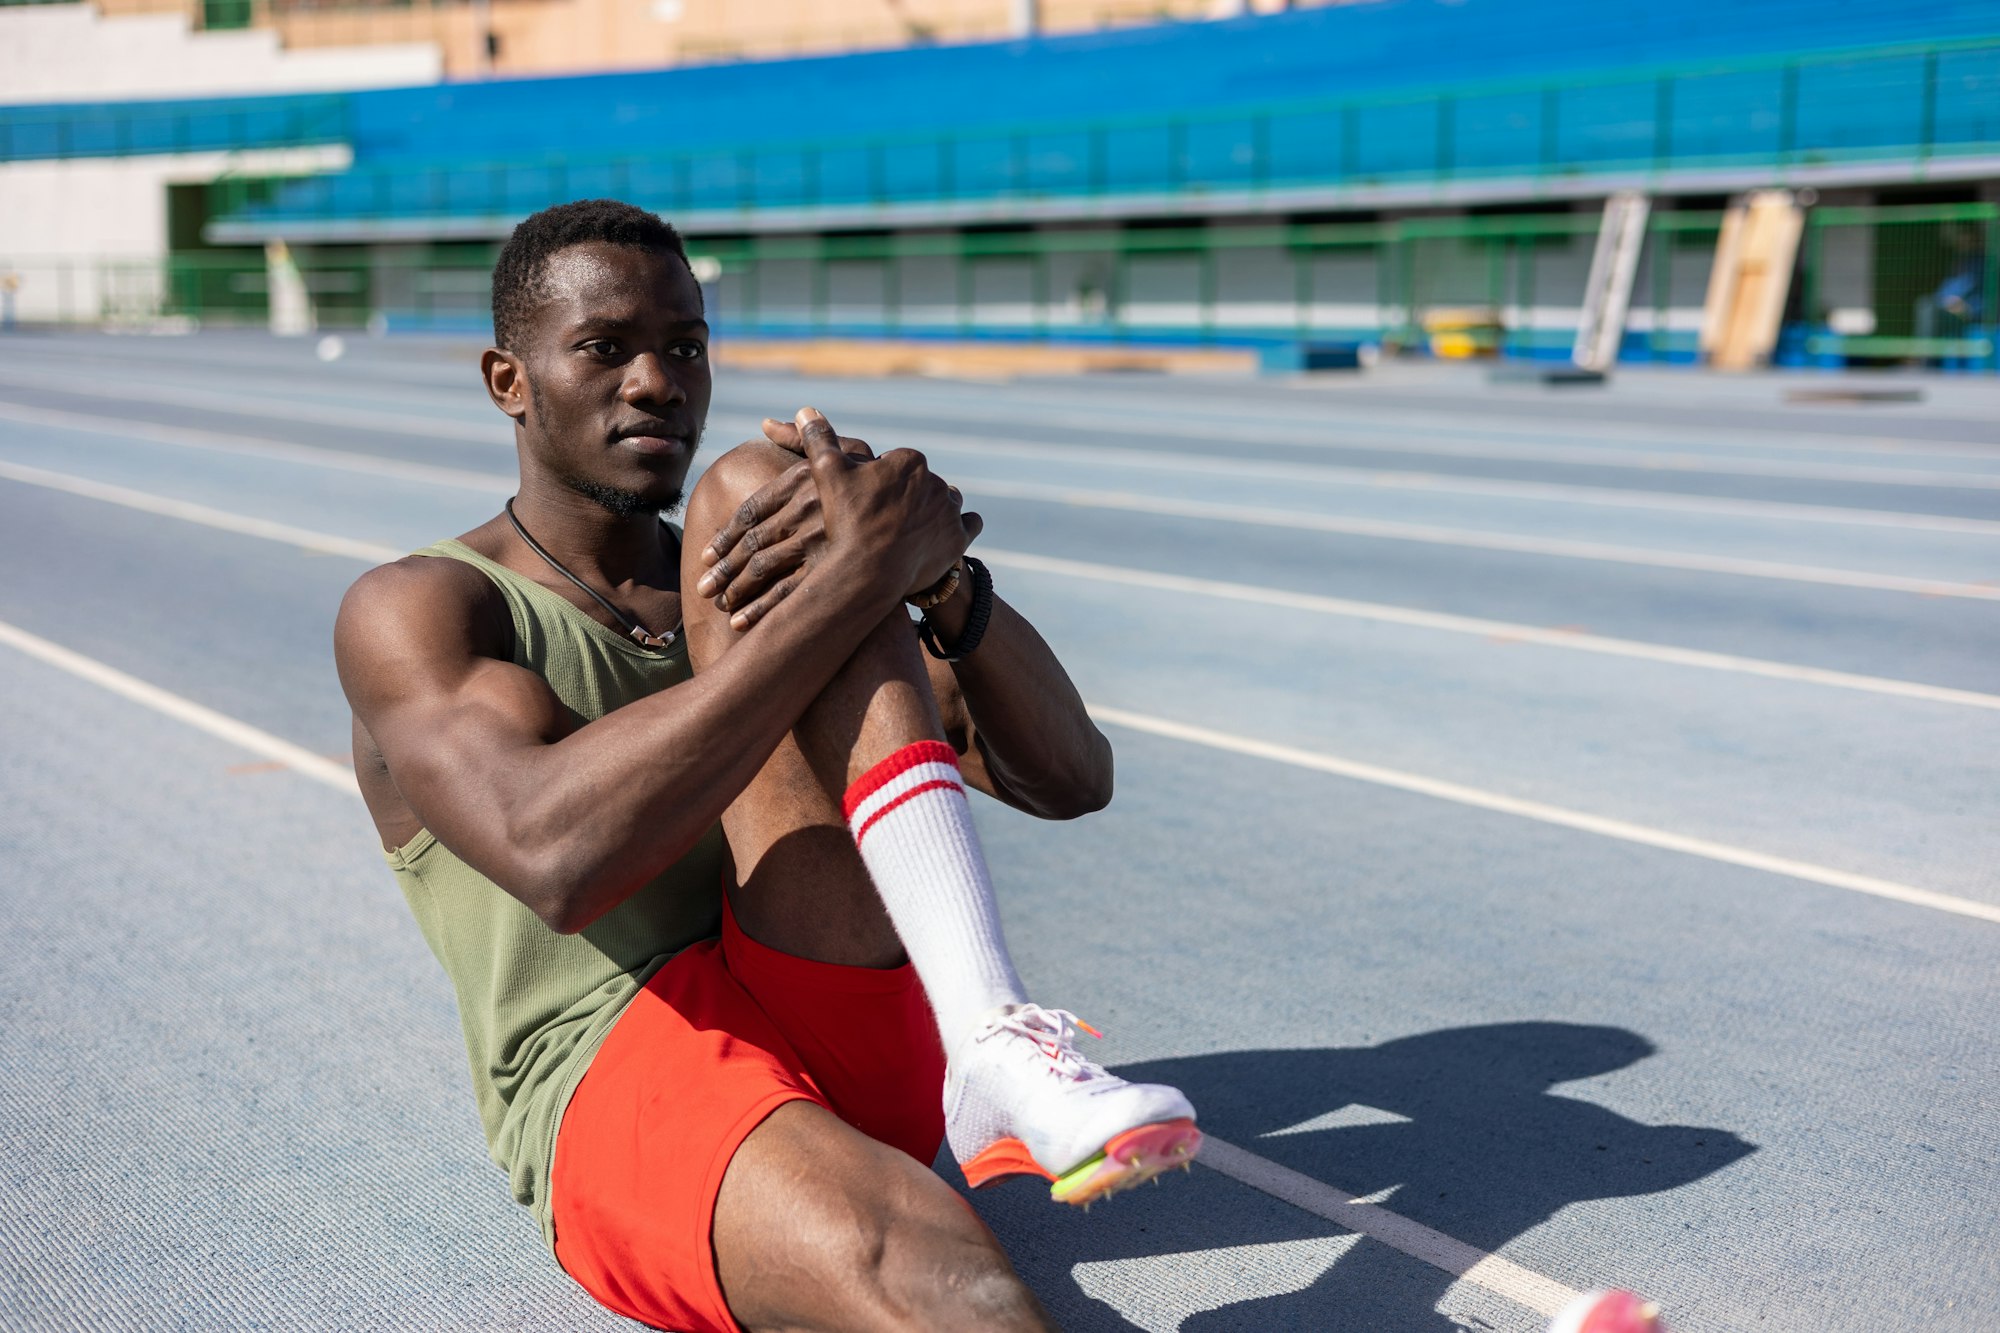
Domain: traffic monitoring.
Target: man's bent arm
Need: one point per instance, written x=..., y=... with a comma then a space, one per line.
x=1032, y=743
x=572, y=822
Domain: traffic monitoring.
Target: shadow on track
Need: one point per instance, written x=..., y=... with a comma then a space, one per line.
x=1458, y=1126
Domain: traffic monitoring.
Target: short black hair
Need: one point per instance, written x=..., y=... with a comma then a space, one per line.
x=517, y=273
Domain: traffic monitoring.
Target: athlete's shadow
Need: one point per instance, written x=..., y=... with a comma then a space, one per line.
x=1459, y=1127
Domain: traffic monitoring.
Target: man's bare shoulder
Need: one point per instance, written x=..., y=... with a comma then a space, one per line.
x=417, y=609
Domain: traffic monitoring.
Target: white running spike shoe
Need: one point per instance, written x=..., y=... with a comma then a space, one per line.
x=1019, y=1100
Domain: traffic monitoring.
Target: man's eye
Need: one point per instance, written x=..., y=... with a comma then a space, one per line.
x=689, y=351
x=601, y=347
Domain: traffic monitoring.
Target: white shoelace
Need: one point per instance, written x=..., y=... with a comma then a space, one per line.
x=1053, y=1031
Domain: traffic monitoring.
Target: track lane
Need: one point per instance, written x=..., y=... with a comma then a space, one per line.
x=1277, y=946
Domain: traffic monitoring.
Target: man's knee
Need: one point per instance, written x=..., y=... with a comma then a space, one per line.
x=818, y=1227
x=927, y=1262
x=731, y=480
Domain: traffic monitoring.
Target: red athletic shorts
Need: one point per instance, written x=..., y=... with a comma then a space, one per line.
x=727, y=1031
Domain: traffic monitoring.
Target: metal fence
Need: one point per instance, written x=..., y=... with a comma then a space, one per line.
x=1876, y=285
x=1916, y=282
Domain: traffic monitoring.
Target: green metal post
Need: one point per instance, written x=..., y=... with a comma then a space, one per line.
x=892, y=292
x=1815, y=247
x=1116, y=295
x=1205, y=289
x=962, y=277
x=1497, y=250
x=820, y=298
x=1989, y=309
x=1662, y=260
x=1039, y=289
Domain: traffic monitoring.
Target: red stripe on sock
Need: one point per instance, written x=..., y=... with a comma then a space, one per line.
x=917, y=790
x=905, y=759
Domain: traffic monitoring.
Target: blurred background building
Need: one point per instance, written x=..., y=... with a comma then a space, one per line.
x=1296, y=179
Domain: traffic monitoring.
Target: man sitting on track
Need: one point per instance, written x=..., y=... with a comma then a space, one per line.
x=709, y=1057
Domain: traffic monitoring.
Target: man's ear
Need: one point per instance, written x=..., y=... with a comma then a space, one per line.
x=506, y=382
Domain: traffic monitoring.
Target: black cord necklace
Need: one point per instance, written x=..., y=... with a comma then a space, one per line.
x=644, y=637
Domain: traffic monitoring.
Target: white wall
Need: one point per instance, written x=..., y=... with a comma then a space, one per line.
x=85, y=235
x=71, y=53
x=81, y=233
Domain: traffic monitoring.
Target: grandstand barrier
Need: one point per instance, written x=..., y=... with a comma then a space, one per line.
x=136, y=129
x=1905, y=112
x=1880, y=285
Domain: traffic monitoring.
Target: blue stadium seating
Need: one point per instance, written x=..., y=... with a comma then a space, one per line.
x=1166, y=69
x=1372, y=93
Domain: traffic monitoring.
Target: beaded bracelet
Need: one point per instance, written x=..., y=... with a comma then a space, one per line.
x=975, y=621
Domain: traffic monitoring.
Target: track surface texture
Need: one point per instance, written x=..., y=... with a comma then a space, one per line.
x=1561, y=820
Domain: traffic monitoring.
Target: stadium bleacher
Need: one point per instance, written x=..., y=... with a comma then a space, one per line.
x=1405, y=91
x=1273, y=179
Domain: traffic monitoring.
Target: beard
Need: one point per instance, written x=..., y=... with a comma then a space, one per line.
x=622, y=503
x=617, y=500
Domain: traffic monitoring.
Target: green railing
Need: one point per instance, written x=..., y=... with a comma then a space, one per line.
x=1875, y=285
x=1896, y=283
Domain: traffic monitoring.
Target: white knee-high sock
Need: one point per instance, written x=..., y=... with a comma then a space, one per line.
x=909, y=817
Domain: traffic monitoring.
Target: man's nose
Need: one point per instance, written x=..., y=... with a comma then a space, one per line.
x=647, y=381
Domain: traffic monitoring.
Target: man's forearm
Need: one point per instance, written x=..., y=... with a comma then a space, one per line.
x=1034, y=734
x=599, y=813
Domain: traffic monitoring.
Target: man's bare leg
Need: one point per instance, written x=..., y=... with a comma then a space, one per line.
x=817, y=1225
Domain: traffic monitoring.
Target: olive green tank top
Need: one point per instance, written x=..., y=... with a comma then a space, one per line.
x=535, y=1005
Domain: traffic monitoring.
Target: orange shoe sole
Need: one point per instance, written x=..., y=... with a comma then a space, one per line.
x=1131, y=1158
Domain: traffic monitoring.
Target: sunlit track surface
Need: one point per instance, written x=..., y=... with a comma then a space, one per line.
x=1371, y=890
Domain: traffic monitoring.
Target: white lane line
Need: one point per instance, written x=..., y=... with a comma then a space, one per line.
x=240, y=734
x=1397, y=439
x=1331, y=474
x=324, y=543
x=1503, y=1277
x=1087, y=453
x=187, y=437
x=1486, y=629
x=1324, y=763
x=1409, y=437
x=234, y=404
x=374, y=553
x=1546, y=814
x=1453, y=1256
x=1350, y=415
x=1780, y=434
x=1437, y=535
x=1451, y=483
